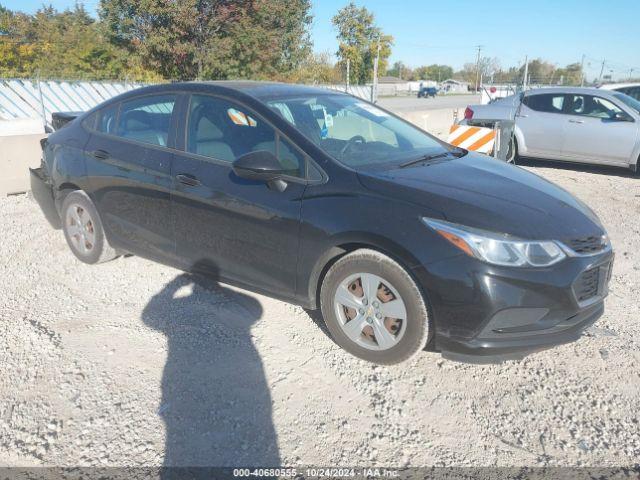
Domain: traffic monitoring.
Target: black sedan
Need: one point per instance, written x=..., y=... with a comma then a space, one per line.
x=332, y=203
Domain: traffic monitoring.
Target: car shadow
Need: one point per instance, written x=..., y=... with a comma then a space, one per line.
x=578, y=167
x=216, y=402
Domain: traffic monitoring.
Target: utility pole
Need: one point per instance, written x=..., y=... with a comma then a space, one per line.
x=376, y=62
x=631, y=73
x=348, y=73
x=601, y=71
x=479, y=47
x=582, y=71
x=526, y=73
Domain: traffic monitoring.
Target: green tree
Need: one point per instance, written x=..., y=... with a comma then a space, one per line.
x=569, y=75
x=68, y=44
x=212, y=38
x=434, y=72
x=400, y=70
x=316, y=68
x=360, y=39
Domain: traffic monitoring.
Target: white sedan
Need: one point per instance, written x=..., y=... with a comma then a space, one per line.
x=569, y=124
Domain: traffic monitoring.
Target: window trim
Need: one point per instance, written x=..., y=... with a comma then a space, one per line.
x=185, y=130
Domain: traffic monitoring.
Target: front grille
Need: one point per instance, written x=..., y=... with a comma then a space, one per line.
x=587, y=245
x=586, y=287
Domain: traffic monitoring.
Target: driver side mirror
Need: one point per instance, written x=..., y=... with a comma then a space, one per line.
x=259, y=165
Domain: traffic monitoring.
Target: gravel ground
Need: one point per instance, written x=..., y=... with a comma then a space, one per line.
x=133, y=363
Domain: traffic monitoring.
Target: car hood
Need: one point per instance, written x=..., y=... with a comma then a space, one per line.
x=481, y=192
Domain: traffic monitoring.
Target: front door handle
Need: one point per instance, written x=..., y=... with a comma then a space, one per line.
x=187, y=179
x=576, y=121
x=100, y=154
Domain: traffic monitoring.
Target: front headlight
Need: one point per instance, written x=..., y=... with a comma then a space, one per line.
x=498, y=249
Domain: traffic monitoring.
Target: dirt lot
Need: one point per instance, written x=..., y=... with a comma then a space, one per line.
x=132, y=363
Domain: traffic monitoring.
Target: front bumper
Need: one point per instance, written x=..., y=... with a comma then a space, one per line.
x=43, y=193
x=483, y=310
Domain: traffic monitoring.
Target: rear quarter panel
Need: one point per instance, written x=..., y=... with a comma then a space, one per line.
x=64, y=157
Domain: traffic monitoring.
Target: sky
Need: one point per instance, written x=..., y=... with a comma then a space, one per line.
x=447, y=32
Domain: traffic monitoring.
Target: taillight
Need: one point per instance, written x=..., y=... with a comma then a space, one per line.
x=468, y=113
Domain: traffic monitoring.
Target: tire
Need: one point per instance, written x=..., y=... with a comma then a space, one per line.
x=83, y=229
x=353, y=278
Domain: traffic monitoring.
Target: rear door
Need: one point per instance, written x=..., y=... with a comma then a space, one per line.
x=542, y=123
x=594, y=134
x=129, y=168
x=226, y=226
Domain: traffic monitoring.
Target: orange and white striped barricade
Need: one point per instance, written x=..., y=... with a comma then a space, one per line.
x=477, y=139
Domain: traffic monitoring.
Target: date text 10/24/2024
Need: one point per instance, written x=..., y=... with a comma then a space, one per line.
x=320, y=472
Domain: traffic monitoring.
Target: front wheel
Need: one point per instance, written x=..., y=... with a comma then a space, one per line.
x=374, y=309
x=83, y=229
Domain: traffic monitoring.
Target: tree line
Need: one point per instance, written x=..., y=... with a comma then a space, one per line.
x=490, y=71
x=149, y=40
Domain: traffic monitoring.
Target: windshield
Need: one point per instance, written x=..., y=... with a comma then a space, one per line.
x=629, y=101
x=354, y=132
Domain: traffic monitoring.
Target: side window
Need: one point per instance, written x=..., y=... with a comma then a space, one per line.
x=107, y=119
x=548, y=102
x=291, y=159
x=589, y=106
x=146, y=119
x=220, y=129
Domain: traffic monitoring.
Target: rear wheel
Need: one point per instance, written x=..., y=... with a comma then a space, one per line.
x=83, y=229
x=374, y=309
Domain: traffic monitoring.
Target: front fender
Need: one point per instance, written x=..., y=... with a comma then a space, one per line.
x=522, y=144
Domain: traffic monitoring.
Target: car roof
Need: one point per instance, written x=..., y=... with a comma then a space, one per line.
x=255, y=89
x=617, y=86
x=576, y=90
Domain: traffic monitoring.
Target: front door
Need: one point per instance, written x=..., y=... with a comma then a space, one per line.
x=226, y=226
x=129, y=166
x=594, y=134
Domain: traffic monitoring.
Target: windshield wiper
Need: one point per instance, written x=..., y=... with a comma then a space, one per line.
x=458, y=152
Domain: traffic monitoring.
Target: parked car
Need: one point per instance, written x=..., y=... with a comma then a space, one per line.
x=586, y=125
x=426, y=92
x=398, y=238
x=631, y=89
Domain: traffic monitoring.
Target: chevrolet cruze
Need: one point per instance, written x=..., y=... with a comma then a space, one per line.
x=324, y=200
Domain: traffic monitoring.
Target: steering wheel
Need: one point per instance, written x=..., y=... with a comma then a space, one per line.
x=351, y=142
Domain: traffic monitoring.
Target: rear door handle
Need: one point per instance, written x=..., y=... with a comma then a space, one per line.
x=100, y=154
x=186, y=179
x=576, y=121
